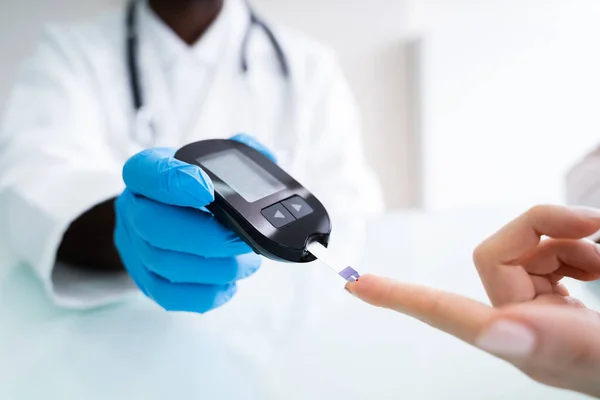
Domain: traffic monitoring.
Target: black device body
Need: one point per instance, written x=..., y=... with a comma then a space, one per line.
x=263, y=222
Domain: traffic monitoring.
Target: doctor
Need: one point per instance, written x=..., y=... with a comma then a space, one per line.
x=96, y=115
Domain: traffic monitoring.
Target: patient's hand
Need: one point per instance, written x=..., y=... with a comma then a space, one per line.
x=534, y=323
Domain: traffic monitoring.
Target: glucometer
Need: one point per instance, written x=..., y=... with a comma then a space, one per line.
x=269, y=210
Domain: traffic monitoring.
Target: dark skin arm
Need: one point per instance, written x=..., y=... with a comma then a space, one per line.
x=88, y=242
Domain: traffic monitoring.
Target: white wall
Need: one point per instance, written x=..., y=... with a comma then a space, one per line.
x=366, y=35
x=511, y=98
x=20, y=24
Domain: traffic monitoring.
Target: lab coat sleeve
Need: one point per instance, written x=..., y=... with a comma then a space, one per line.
x=583, y=189
x=55, y=164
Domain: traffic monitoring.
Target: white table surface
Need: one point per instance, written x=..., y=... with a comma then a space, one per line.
x=359, y=352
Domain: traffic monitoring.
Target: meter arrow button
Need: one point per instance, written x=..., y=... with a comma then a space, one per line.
x=297, y=206
x=277, y=215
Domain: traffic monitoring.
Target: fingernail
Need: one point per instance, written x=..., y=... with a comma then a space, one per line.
x=597, y=247
x=348, y=289
x=587, y=212
x=572, y=301
x=507, y=339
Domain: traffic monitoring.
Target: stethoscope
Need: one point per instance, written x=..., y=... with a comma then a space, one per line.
x=143, y=120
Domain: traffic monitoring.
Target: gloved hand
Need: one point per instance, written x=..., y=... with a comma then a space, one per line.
x=175, y=250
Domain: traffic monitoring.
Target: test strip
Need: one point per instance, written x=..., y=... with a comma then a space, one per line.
x=321, y=252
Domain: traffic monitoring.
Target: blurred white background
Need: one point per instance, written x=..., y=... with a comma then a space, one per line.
x=465, y=103
x=511, y=98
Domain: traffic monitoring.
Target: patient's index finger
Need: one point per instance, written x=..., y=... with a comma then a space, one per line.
x=457, y=315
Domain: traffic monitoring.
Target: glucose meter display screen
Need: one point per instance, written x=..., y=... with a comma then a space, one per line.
x=242, y=175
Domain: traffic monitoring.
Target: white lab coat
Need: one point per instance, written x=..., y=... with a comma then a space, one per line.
x=583, y=189
x=67, y=132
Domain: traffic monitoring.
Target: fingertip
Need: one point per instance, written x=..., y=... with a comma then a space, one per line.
x=219, y=300
x=587, y=212
x=589, y=218
x=369, y=288
x=194, y=298
x=138, y=163
x=255, y=144
x=188, y=177
x=367, y=281
x=229, y=293
x=251, y=263
x=120, y=201
x=124, y=206
x=349, y=287
x=572, y=301
x=242, y=138
x=155, y=174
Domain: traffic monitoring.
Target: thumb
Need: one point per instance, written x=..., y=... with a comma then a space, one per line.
x=255, y=144
x=543, y=334
x=155, y=174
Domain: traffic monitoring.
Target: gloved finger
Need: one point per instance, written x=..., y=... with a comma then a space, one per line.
x=545, y=335
x=180, y=229
x=579, y=259
x=155, y=174
x=255, y=144
x=124, y=244
x=497, y=257
x=178, y=267
x=189, y=297
x=170, y=296
x=449, y=312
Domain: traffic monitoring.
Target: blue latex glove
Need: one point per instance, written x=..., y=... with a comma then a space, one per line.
x=175, y=250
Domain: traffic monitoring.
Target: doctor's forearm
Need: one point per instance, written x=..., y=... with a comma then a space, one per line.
x=88, y=242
